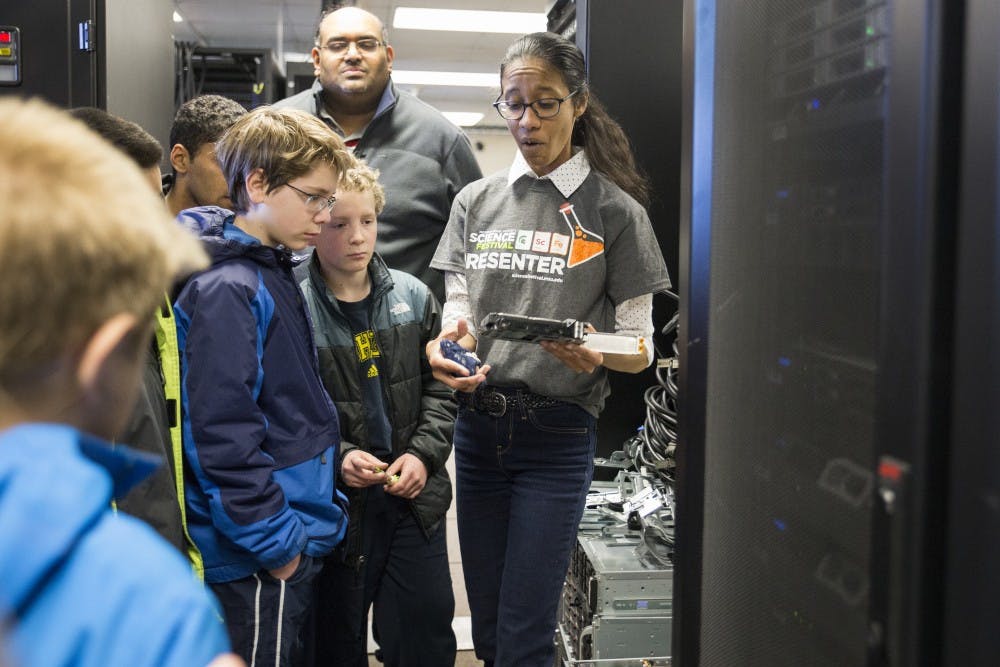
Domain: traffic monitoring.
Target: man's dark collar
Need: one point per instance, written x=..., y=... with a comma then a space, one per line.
x=386, y=102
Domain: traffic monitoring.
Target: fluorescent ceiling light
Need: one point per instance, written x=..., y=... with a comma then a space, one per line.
x=177, y=17
x=465, y=20
x=421, y=78
x=463, y=118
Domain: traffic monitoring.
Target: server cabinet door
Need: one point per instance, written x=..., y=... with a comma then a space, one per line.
x=803, y=113
x=972, y=602
x=649, y=112
x=58, y=50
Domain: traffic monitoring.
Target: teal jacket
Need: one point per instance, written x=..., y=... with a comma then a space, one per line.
x=405, y=316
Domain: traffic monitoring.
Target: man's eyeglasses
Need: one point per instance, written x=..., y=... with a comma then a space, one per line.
x=547, y=107
x=316, y=203
x=339, y=47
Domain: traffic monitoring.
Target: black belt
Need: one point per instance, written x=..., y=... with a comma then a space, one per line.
x=497, y=402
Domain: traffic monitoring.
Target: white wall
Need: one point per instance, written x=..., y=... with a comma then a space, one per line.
x=139, y=76
x=494, y=149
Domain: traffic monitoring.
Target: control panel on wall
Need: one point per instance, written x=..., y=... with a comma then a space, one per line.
x=10, y=56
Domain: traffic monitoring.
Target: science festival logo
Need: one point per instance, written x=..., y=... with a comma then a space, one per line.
x=535, y=254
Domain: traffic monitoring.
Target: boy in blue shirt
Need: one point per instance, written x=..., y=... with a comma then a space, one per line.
x=92, y=252
x=261, y=435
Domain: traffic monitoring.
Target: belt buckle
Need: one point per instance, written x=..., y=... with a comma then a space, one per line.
x=494, y=403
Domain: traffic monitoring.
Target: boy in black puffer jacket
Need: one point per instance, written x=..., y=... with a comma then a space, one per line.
x=371, y=325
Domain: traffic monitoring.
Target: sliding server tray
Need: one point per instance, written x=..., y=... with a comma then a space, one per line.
x=616, y=609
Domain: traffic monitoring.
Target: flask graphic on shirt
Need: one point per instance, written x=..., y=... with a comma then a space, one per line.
x=585, y=244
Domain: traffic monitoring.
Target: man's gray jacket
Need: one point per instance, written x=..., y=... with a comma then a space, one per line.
x=423, y=160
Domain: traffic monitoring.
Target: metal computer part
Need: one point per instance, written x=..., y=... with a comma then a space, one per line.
x=527, y=329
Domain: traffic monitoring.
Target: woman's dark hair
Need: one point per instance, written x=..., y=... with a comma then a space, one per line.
x=603, y=139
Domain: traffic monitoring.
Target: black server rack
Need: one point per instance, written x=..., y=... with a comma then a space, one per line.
x=248, y=76
x=972, y=526
x=640, y=86
x=299, y=77
x=819, y=270
x=111, y=54
x=799, y=122
x=57, y=59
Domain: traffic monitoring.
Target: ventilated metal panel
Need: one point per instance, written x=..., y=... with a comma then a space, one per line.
x=797, y=201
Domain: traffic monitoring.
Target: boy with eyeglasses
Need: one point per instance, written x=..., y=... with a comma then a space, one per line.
x=261, y=436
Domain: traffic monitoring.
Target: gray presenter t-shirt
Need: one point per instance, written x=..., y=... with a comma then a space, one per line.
x=527, y=249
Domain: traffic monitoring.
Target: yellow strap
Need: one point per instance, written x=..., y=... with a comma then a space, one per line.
x=170, y=364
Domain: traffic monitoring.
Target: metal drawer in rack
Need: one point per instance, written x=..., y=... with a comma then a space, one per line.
x=616, y=607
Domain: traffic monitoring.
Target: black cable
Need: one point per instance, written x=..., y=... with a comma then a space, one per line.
x=658, y=536
x=651, y=455
x=658, y=434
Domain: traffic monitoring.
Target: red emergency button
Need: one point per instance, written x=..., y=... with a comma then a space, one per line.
x=5, y=37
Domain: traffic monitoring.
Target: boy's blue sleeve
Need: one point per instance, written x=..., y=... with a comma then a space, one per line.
x=222, y=332
x=122, y=597
x=163, y=616
x=189, y=632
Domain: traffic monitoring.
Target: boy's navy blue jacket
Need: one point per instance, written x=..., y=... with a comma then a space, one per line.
x=261, y=435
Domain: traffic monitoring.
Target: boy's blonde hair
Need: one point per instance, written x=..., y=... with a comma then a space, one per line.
x=284, y=143
x=85, y=239
x=362, y=178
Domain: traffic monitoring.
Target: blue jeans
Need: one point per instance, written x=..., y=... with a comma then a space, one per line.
x=522, y=481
